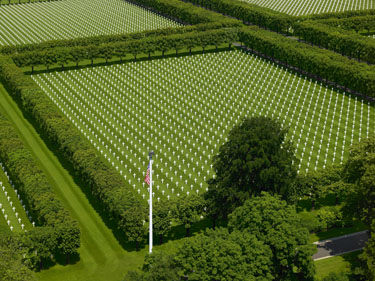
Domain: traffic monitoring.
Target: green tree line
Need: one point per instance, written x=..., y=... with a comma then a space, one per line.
x=353, y=23
x=250, y=13
x=148, y=45
x=345, y=42
x=56, y=230
x=323, y=63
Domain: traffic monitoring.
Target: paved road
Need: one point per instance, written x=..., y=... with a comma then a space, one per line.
x=340, y=245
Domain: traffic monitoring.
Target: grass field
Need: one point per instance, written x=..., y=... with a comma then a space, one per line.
x=11, y=210
x=344, y=263
x=183, y=108
x=306, y=7
x=21, y=24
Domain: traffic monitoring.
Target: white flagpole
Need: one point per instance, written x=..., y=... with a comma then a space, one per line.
x=150, y=219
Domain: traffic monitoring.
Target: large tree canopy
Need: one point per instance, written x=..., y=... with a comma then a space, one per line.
x=360, y=170
x=255, y=158
x=276, y=223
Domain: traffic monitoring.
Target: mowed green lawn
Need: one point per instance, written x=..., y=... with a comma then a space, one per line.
x=184, y=107
x=102, y=258
x=345, y=263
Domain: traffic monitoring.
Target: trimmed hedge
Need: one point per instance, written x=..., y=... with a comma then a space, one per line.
x=353, y=23
x=36, y=191
x=104, y=182
x=339, y=15
x=320, y=62
x=248, y=13
x=120, y=49
x=105, y=39
x=345, y=42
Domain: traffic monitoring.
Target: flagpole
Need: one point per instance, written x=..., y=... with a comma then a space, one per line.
x=150, y=219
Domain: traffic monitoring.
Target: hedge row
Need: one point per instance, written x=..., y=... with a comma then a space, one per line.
x=345, y=42
x=120, y=49
x=339, y=15
x=320, y=62
x=354, y=23
x=37, y=193
x=180, y=11
x=248, y=13
x=104, y=182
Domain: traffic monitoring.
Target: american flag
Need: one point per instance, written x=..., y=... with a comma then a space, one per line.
x=147, y=178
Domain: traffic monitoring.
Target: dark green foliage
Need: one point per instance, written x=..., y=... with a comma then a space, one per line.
x=157, y=267
x=251, y=13
x=162, y=218
x=360, y=170
x=345, y=42
x=220, y=255
x=12, y=265
x=319, y=62
x=188, y=209
x=254, y=159
x=214, y=255
x=133, y=223
x=277, y=224
x=142, y=46
x=39, y=197
x=368, y=255
x=333, y=276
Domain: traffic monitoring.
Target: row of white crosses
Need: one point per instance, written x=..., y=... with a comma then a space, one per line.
x=69, y=19
x=307, y=7
x=183, y=108
x=12, y=218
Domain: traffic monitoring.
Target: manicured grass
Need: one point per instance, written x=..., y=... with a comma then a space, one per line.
x=307, y=7
x=11, y=215
x=73, y=19
x=344, y=263
x=183, y=108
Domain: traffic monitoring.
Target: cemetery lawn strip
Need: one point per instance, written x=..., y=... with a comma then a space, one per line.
x=343, y=263
x=101, y=255
x=16, y=204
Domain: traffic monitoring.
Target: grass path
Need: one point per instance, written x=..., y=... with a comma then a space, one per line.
x=101, y=255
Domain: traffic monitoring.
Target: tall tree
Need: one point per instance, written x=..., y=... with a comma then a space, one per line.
x=276, y=223
x=220, y=255
x=162, y=218
x=133, y=223
x=255, y=158
x=188, y=209
x=360, y=170
x=43, y=241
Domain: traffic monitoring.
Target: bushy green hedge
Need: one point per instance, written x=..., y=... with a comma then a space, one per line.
x=339, y=15
x=320, y=62
x=105, y=183
x=353, y=23
x=249, y=13
x=36, y=191
x=147, y=45
x=345, y=42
